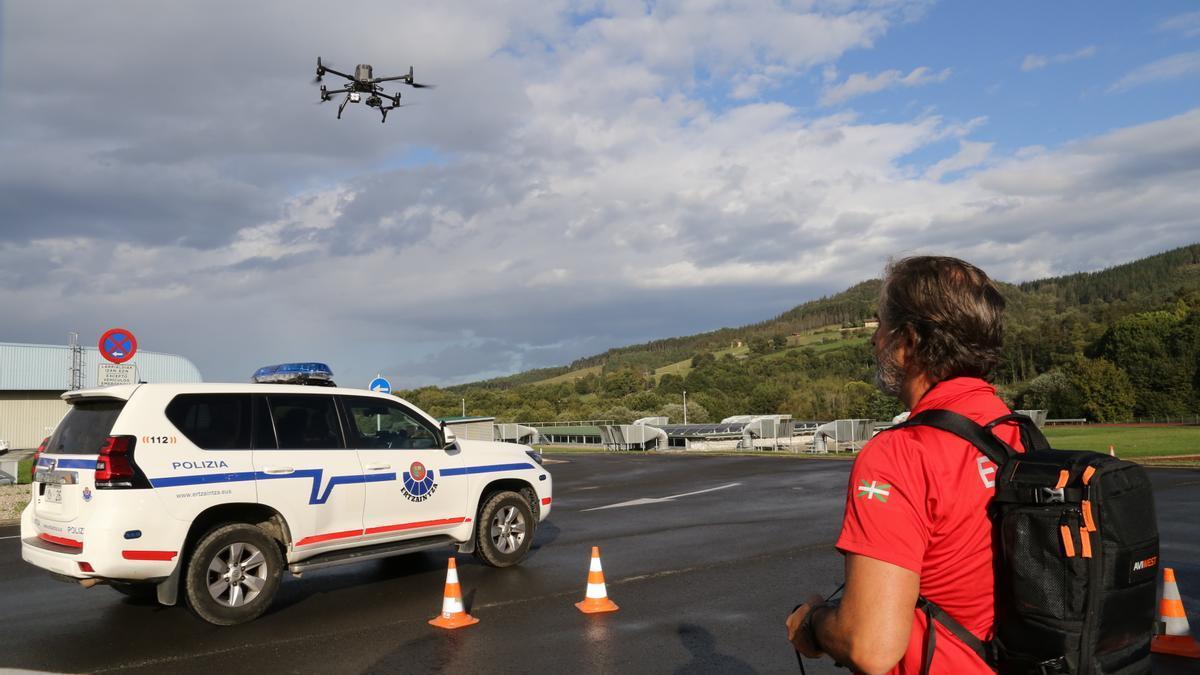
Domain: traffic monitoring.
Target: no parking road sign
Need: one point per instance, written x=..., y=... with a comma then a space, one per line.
x=380, y=385
x=118, y=345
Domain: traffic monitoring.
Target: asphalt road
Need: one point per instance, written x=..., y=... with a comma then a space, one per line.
x=703, y=581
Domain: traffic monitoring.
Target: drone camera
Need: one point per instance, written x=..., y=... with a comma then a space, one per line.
x=355, y=97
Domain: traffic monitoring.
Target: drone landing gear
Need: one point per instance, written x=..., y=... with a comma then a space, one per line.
x=343, y=106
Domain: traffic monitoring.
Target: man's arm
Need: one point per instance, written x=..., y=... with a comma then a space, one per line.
x=869, y=630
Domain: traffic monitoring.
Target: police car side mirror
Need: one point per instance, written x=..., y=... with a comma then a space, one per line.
x=449, y=440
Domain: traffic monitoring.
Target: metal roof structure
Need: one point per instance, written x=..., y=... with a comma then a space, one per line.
x=727, y=430
x=33, y=367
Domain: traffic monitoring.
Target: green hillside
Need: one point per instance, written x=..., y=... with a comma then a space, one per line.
x=1109, y=345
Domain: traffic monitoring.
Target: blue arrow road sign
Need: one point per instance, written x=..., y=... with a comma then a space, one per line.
x=380, y=385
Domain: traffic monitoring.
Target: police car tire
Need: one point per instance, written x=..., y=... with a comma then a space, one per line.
x=210, y=545
x=486, y=550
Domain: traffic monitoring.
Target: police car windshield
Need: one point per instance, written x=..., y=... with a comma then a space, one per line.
x=85, y=427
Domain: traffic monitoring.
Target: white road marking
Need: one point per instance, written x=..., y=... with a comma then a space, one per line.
x=15, y=536
x=659, y=500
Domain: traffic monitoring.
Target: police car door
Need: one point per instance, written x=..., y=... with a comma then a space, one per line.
x=311, y=478
x=403, y=462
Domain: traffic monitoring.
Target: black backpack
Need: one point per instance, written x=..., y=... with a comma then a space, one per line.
x=1076, y=556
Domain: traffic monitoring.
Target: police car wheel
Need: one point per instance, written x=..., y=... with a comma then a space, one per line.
x=233, y=574
x=504, y=529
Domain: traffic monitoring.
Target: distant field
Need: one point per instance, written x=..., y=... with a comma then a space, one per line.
x=1128, y=441
x=571, y=376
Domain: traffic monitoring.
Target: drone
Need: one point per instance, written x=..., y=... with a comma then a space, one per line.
x=362, y=82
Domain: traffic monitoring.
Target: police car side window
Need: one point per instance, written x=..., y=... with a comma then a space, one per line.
x=376, y=423
x=305, y=422
x=212, y=421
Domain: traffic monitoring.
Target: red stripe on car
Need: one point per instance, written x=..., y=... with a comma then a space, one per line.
x=163, y=556
x=317, y=538
x=413, y=526
x=61, y=541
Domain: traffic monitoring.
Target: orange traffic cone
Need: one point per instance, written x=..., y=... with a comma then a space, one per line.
x=1176, y=638
x=596, y=599
x=453, y=615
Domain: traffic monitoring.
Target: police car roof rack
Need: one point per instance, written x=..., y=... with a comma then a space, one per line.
x=312, y=373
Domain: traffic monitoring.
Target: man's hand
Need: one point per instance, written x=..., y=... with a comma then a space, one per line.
x=798, y=638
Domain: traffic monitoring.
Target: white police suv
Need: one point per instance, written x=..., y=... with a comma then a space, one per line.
x=210, y=491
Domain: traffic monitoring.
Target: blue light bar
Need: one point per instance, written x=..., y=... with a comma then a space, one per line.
x=294, y=373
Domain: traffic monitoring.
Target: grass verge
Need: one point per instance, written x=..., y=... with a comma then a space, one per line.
x=1128, y=442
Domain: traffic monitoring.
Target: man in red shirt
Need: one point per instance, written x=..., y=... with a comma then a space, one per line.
x=916, y=510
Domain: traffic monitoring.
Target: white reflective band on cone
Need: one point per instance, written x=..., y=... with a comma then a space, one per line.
x=451, y=606
x=1176, y=626
x=595, y=566
x=452, y=576
x=596, y=591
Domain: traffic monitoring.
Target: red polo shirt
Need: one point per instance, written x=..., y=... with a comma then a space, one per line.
x=918, y=499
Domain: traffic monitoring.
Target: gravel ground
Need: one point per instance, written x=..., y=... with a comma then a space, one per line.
x=13, y=499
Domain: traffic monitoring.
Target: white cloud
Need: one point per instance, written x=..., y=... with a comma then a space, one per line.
x=1162, y=70
x=970, y=153
x=1037, y=61
x=859, y=84
x=1186, y=24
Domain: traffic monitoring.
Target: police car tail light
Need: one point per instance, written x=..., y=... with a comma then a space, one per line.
x=36, y=456
x=114, y=466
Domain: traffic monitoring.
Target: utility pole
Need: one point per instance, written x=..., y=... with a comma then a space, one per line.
x=685, y=406
x=76, y=362
x=464, y=406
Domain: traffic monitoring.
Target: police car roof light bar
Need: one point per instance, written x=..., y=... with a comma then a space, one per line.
x=295, y=373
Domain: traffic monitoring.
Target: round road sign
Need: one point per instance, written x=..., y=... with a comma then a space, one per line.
x=380, y=385
x=118, y=345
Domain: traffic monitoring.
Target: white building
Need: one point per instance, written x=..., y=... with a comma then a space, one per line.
x=33, y=377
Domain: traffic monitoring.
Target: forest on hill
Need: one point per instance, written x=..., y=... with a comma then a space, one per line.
x=1112, y=345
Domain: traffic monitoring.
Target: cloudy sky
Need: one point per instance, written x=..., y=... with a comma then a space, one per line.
x=585, y=175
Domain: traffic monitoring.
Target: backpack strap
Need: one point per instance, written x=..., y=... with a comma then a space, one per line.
x=1031, y=436
x=999, y=452
x=934, y=613
x=951, y=422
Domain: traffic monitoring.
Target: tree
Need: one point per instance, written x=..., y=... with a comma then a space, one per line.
x=1105, y=391
x=766, y=398
x=1141, y=345
x=670, y=385
x=1053, y=392
x=696, y=413
x=622, y=383
x=760, y=344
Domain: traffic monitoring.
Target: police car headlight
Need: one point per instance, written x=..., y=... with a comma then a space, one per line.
x=535, y=456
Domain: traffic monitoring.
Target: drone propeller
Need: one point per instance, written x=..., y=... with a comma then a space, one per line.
x=323, y=67
x=416, y=85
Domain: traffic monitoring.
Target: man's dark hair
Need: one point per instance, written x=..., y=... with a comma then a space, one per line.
x=950, y=311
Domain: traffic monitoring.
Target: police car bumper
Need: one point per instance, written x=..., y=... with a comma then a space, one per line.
x=88, y=559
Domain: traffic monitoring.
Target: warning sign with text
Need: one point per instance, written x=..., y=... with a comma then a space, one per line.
x=112, y=374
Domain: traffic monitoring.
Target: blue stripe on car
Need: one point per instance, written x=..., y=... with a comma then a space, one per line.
x=318, y=496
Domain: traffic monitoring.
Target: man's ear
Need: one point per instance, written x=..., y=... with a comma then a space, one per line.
x=905, y=344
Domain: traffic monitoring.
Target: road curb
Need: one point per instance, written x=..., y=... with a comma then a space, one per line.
x=10, y=523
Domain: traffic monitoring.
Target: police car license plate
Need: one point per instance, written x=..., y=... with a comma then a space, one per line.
x=54, y=494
